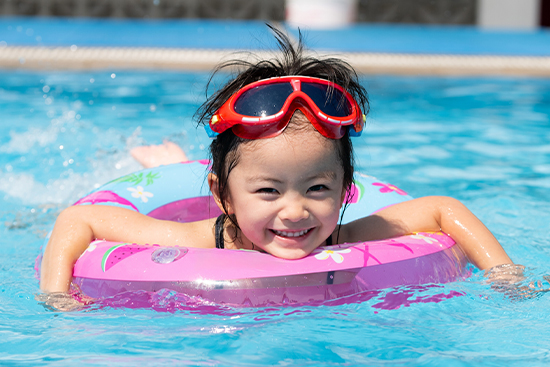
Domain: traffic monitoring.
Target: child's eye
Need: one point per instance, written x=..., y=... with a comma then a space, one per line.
x=267, y=190
x=316, y=188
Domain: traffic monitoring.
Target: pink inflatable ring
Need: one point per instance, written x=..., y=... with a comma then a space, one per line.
x=249, y=278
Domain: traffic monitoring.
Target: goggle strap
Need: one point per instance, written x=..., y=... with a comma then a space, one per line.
x=211, y=133
x=354, y=133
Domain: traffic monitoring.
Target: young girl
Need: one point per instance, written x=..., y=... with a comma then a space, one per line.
x=282, y=162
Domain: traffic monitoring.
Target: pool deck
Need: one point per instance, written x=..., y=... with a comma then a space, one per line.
x=79, y=43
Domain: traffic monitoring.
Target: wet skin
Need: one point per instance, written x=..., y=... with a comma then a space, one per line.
x=285, y=193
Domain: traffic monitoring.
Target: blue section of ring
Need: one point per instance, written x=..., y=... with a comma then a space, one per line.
x=252, y=35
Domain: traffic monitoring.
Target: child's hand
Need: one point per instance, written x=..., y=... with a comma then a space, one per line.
x=158, y=155
x=60, y=301
x=502, y=276
x=79, y=225
x=535, y=288
x=508, y=278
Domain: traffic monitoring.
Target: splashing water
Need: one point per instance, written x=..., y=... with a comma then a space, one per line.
x=484, y=141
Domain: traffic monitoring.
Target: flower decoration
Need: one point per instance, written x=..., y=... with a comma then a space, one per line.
x=138, y=178
x=138, y=192
x=387, y=188
x=334, y=254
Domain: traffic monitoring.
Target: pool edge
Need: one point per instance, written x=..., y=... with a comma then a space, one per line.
x=90, y=58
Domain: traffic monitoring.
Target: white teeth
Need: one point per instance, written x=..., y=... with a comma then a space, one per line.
x=291, y=234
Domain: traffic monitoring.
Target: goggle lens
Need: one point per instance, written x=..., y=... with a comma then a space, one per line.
x=264, y=100
x=332, y=102
x=267, y=100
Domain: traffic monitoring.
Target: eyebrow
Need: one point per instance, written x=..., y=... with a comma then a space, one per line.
x=331, y=175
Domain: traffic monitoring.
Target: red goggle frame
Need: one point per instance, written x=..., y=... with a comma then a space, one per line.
x=263, y=109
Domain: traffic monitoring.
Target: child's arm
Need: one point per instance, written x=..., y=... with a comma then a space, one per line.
x=430, y=214
x=77, y=226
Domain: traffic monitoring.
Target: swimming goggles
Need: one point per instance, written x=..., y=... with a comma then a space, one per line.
x=263, y=109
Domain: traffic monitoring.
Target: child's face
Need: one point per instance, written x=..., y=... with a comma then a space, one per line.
x=286, y=192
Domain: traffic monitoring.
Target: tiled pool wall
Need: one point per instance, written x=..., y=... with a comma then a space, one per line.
x=525, y=14
x=367, y=11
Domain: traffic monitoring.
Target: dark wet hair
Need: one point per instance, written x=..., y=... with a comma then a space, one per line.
x=292, y=60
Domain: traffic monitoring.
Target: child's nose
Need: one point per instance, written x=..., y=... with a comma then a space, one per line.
x=294, y=211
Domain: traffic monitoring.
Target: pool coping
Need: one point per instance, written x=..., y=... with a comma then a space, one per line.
x=78, y=58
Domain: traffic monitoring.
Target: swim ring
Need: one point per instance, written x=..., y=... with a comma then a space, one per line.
x=248, y=278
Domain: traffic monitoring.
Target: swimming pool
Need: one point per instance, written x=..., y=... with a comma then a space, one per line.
x=484, y=141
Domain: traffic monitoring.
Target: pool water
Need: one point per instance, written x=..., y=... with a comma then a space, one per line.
x=484, y=141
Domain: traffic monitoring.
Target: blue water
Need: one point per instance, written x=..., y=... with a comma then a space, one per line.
x=249, y=34
x=484, y=141
x=430, y=39
x=169, y=33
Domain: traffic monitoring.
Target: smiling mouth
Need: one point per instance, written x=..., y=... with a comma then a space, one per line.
x=291, y=234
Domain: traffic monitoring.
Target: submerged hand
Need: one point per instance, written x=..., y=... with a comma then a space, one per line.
x=508, y=278
x=60, y=301
x=502, y=276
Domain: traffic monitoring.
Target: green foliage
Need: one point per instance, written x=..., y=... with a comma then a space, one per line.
x=136, y=179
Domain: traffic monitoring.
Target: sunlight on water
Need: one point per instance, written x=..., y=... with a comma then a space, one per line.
x=484, y=141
